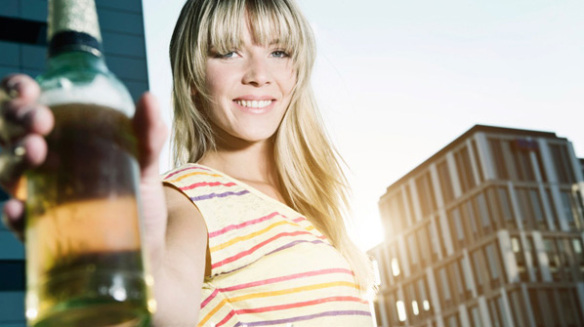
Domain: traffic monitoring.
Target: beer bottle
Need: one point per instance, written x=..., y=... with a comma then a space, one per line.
x=85, y=265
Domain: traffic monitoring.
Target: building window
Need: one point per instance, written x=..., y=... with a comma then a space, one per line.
x=519, y=258
x=457, y=228
x=460, y=279
x=531, y=208
x=426, y=308
x=409, y=199
x=23, y=31
x=543, y=306
x=566, y=258
x=498, y=156
x=553, y=258
x=578, y=251
x=518, y=308
x=475, y=316
x=376, y=308
x=475, y=152
x=426, y=194
x=452, y=321
x=417, y=302
x=395, y=263
x=391, y=310
x=395, y=214
x=494, y=265
x=444, y=288
x=445, y=182
x=424, y=246
x=432, y=241
x=569, y=305
x=497, y=312
x=532, y=252
x=413, y=253
x=483, y=212
x=464, y=168
x=552, y=207
x=570, y=213
x=512, y=159
x=479, y=271
x=562, y=162
x=13, y=277
x=505, y=211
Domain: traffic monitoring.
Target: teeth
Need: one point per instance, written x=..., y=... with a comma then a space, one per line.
x=254, y=103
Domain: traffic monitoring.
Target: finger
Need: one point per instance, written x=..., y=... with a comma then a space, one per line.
x=17, y=94
x=151, y=133
x=19, y=118
x=13, y=217
x=19, y=86
x=30, y=152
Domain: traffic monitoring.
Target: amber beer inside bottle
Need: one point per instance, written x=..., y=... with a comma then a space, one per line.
x=85, y=266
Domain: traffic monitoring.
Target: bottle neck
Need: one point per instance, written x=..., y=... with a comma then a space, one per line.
x=77, y=60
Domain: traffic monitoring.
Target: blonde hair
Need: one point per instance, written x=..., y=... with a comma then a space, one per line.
x=307, y=164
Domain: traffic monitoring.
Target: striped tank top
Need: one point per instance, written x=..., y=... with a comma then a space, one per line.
x=269, y=265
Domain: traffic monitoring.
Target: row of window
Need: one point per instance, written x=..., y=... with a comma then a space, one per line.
x=517, y=160
x=484, y=267
x=550, y=307
x=565, y=258
x=485, y=212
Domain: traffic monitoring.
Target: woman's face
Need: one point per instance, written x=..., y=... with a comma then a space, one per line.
x=250, y=89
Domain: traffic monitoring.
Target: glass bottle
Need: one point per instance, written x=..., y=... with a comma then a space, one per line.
x=85, y=264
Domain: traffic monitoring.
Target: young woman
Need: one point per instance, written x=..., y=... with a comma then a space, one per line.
x=248, y=229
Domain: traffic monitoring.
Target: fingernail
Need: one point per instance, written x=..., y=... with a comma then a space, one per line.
x=19, y=151
x=13, y=88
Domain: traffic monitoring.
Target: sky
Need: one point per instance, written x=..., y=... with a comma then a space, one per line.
x=396, y=81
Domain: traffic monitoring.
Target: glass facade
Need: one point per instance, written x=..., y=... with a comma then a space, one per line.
x=500, y=236
x=23, y=44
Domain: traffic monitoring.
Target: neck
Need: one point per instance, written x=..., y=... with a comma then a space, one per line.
x=247, y=161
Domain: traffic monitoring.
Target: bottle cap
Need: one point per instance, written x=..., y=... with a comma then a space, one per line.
x=73, y=15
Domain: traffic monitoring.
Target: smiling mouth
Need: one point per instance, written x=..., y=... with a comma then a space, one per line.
x=254, y=104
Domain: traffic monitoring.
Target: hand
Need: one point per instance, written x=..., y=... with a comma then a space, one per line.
x=23, y=123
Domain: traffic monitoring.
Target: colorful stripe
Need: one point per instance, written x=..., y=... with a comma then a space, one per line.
x=301, y=304
x=293, y=290
x=291, y=306
x=209, y=298
x=185, y=169
x=286, y=246
x=256, y=247
x=242, y=225
x=288, y=277
x=190, y=175
x=212, y=184
x=254, y=234
x=218, y=195
x=245, y=228
x=306, y=317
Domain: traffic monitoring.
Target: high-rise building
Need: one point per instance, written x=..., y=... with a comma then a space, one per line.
x=23, y=49
x=486, y=232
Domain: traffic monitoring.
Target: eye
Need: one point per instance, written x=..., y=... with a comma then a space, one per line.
x=230, y=54
x=226, y=55
x=280, y=54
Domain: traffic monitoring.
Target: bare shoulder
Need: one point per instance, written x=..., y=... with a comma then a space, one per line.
x=186, y=231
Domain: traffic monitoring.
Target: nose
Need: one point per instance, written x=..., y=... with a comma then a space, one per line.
x=257, y=72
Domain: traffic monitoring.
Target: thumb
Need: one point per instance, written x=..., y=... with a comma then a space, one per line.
x=151, y=133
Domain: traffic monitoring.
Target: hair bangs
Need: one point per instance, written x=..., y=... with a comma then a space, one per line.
x=269, y=22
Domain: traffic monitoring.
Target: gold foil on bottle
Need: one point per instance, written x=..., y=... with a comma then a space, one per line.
x=73, y=15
